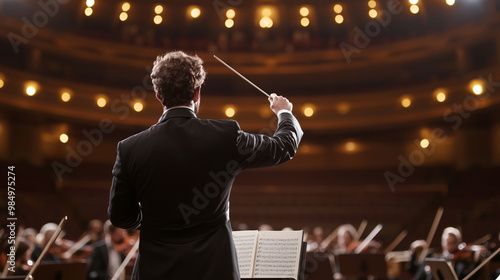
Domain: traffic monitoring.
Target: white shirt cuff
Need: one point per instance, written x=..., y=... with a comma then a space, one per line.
x=283, y=111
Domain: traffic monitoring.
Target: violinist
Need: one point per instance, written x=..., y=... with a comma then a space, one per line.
x=43, y=238
x=346, y=242
x=109, y=253
x=82, y=248
x=314, y=239
x=463, y=258
x=414, y=267
x=29, y=234
x=95, y=231
x=349, y=243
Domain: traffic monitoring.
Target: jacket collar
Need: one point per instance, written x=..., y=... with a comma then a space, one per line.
x=177, y=112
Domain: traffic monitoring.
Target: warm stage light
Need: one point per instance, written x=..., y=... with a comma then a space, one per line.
x=229, y=23
x=90, y=3
x=406, y=102
x=138, y=106
x=350, y=146
x=372, y=4
x=88, y=11
x=64, y=138
x=31, y=88
x=102, y=101
x=308, y=111
x=230, y=111
x=2, y=83
x=337, y=8
x=339, y=19
x=477, y=86
x=266, y=12
x=304, y=22
x=126, y=6
x=450, y=2
x=373, y=13
x=413, y=2
x=266, y=22
x=477, y=89
x=123, y=16
x=195, y=12
x=230, y=13
x=424, y=143
x=158, y=9
x=441, y=96
x=414, y=9
x=65, y=96
x=304, y=11
x=157, y=19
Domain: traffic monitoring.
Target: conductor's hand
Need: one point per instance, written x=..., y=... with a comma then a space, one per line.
x=279, y=102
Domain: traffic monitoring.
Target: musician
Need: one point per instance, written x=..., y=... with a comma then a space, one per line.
x=29, y=234
x=95, y=231
x=174, y=179
x=314, y=239
x=346, y=242
x=106, y=256
x=451, y=250
x=42, y=238
x=416, y=249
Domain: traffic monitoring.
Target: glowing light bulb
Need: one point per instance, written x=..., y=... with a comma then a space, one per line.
x=230, y=13
x=195, y=12
x=229, y=23
x=230, y=112
x=138, y=106
x=64, y=138
x=337, y=8
x=424, y=143
x=304, y=11
x=406, y=102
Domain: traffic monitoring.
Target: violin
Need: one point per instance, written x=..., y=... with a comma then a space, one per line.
x=124, y=245
x=468, y=253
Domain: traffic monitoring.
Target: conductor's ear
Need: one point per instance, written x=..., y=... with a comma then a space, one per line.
x=159, y=98
x=197, y=95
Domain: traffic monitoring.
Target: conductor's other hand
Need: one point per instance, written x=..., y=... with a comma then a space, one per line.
x=279, y=103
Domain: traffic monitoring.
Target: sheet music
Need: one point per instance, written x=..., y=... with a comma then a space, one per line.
x=245, y=242
x=278, y=254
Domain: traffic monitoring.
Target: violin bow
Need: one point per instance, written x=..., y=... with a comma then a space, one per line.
x=47, y=247
x=126, y=261
x=396, y=241
x=241, y=76
x=369, y=238
x=430, y=236
x=326, y=242
x=360, y=231
x=481, y=264
x=84, y=240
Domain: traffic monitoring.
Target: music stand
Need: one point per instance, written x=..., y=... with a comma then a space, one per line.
x=61, y=271
x=318, y=266
x=362, y=265
x=441, y=269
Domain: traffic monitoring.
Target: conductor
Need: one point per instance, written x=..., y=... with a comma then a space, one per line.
x=173, y=180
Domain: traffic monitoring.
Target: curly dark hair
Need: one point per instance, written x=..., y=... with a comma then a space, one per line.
x=176, y=76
